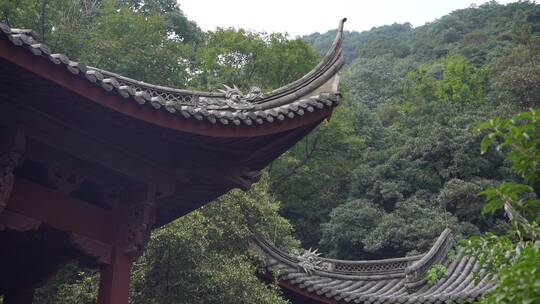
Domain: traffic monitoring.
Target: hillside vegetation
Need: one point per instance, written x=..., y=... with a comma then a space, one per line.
x=399, y=161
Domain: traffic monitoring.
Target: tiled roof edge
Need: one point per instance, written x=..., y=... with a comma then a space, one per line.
x=225, y=108
x=458, y=286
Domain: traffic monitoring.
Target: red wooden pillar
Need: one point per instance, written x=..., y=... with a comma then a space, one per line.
x=114, y=278
x=135, y=217
x=19, y=296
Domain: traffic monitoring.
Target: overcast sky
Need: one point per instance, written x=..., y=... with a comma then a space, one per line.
x=300, y=17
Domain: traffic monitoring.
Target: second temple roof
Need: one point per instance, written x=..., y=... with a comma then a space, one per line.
x=399, y=280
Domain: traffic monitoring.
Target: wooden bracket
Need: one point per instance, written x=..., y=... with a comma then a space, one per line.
x=140, y=217
x=135, y=217
x=246, y=179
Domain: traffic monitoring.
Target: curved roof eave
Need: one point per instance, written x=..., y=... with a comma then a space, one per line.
x=400, y=280
x=220, y=114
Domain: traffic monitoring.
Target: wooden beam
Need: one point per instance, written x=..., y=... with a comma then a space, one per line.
x=55, y=133
x=19, y=296
x=60, y=211
x=14, y=221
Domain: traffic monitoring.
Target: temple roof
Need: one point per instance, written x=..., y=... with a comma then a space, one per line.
x=399, y=280
x=316, y=91
x=116, y=131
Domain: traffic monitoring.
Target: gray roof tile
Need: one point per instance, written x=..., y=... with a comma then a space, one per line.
x=232, y=107
x=400, y=280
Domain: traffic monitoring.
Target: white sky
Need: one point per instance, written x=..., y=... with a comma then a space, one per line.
x=301, y=17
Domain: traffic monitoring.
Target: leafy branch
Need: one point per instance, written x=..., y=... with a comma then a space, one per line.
x=513, y=258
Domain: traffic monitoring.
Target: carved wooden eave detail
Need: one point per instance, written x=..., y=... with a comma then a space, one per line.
x=246, y=179
x=12, y=148
x=140, y=220
x=6, y=182
x=130, y=132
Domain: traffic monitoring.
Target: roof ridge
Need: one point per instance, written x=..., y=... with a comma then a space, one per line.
x=377, y=261
x=335, y=267
x=415, y=274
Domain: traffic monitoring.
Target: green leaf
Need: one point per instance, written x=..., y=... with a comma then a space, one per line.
x=484, y=145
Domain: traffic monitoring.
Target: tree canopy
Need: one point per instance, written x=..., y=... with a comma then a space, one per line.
x=412, y=97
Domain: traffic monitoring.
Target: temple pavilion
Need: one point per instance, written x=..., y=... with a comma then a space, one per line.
x=92, y=161
x=309, y=278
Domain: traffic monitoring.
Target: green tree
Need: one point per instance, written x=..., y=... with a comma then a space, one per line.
x=517, y=75
x=312, y=178
x=421, y=157
x=414, y=96
x=115, y=44
x=457, y=82
x=375, y=81
x=513, y=258
x=178, y=26
x=461, y=82
x=360, y=229
x=204, y=256
x=244, y=58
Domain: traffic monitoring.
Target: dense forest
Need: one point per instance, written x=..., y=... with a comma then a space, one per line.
x=408, y=163
x=402, y=158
